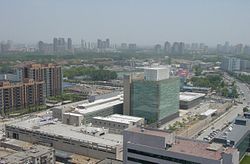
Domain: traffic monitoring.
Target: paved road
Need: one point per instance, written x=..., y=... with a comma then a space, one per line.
x=233, y=112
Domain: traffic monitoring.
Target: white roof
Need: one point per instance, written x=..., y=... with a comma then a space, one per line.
x=73, y=114
x=99, y=104
x=190, y=96
x=120, y=118
x=70, y=131
x=209, y=112
x=155, y=68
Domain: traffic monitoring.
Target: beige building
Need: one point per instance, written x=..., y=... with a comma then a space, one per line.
x=15, y=96
x=50, y=73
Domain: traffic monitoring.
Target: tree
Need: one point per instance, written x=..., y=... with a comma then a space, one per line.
x=197, y=71
x=245, y=109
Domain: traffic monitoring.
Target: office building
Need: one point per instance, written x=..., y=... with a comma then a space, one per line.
x=69, y=44
x=245, y=65
x=16, y=96
x=157, y=48
x=60, y=45
x=132, y=46
x=5, y=47
x=16, y=151
x=116, y=123
x=45, y=48
x=124, y=46
x=51, y=74
x=101, y=107
x=103, y=44
x=190, y=99
x=154, y=97
x=167, y=47
x=84, y=140
x=175, y=48
x=141, y=145
x=55, y=44
x=237, y=135
x=230, y=64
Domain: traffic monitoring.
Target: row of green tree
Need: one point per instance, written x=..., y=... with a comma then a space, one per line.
x=244, y=78
x=216, y=83
x=90, y=73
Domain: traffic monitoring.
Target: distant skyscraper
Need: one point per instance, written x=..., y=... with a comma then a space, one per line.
x=156, y=97
x=99, y=43
x=124, y=46
x=167, y=47
x=231, y=64
x=5, y=47
x=181, y=48
x=132, y=46
x=69, y=43
x=45, y=48
x=175, y=48
x=102, y=45
x=107, y=43
x=157, y=48
x=55, y=44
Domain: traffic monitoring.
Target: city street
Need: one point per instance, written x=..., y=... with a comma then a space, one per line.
x=232, y=113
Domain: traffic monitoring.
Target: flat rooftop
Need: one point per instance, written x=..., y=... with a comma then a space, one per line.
x=99, y=105
x=209, y=112
x=198, y=148
x=153, y=132
x=35, y=151
x=17, y=143
x=190, y=96
x=69, y=131
x=236, y=131
x=120, y=118
x=187, y=146
x=156, y=68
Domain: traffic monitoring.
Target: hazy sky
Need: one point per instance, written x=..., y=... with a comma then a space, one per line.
x=144, y=22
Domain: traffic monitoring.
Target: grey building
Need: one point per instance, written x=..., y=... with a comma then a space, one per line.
x=190, y=99
x=237, y=135
x=230, y=64
x=151, y=146
x=101, y=107
x=22, y=152
x=83, y=140
x=116, y=123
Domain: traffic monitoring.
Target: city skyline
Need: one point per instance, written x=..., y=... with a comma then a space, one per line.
x=191, y=21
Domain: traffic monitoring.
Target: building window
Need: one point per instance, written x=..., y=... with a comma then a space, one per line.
x=140, y=161
x=157, y=156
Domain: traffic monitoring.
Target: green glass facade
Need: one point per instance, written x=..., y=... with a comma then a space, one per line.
x=244, y=145
x=155, y=100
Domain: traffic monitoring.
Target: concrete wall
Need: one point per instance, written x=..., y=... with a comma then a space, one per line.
x=58, y=112
x=161, y=152
x=114, y=127
x=70, y=119
x=126, y=93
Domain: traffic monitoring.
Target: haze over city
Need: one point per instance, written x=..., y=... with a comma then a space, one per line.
x=125, y=82
x=143, y=22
